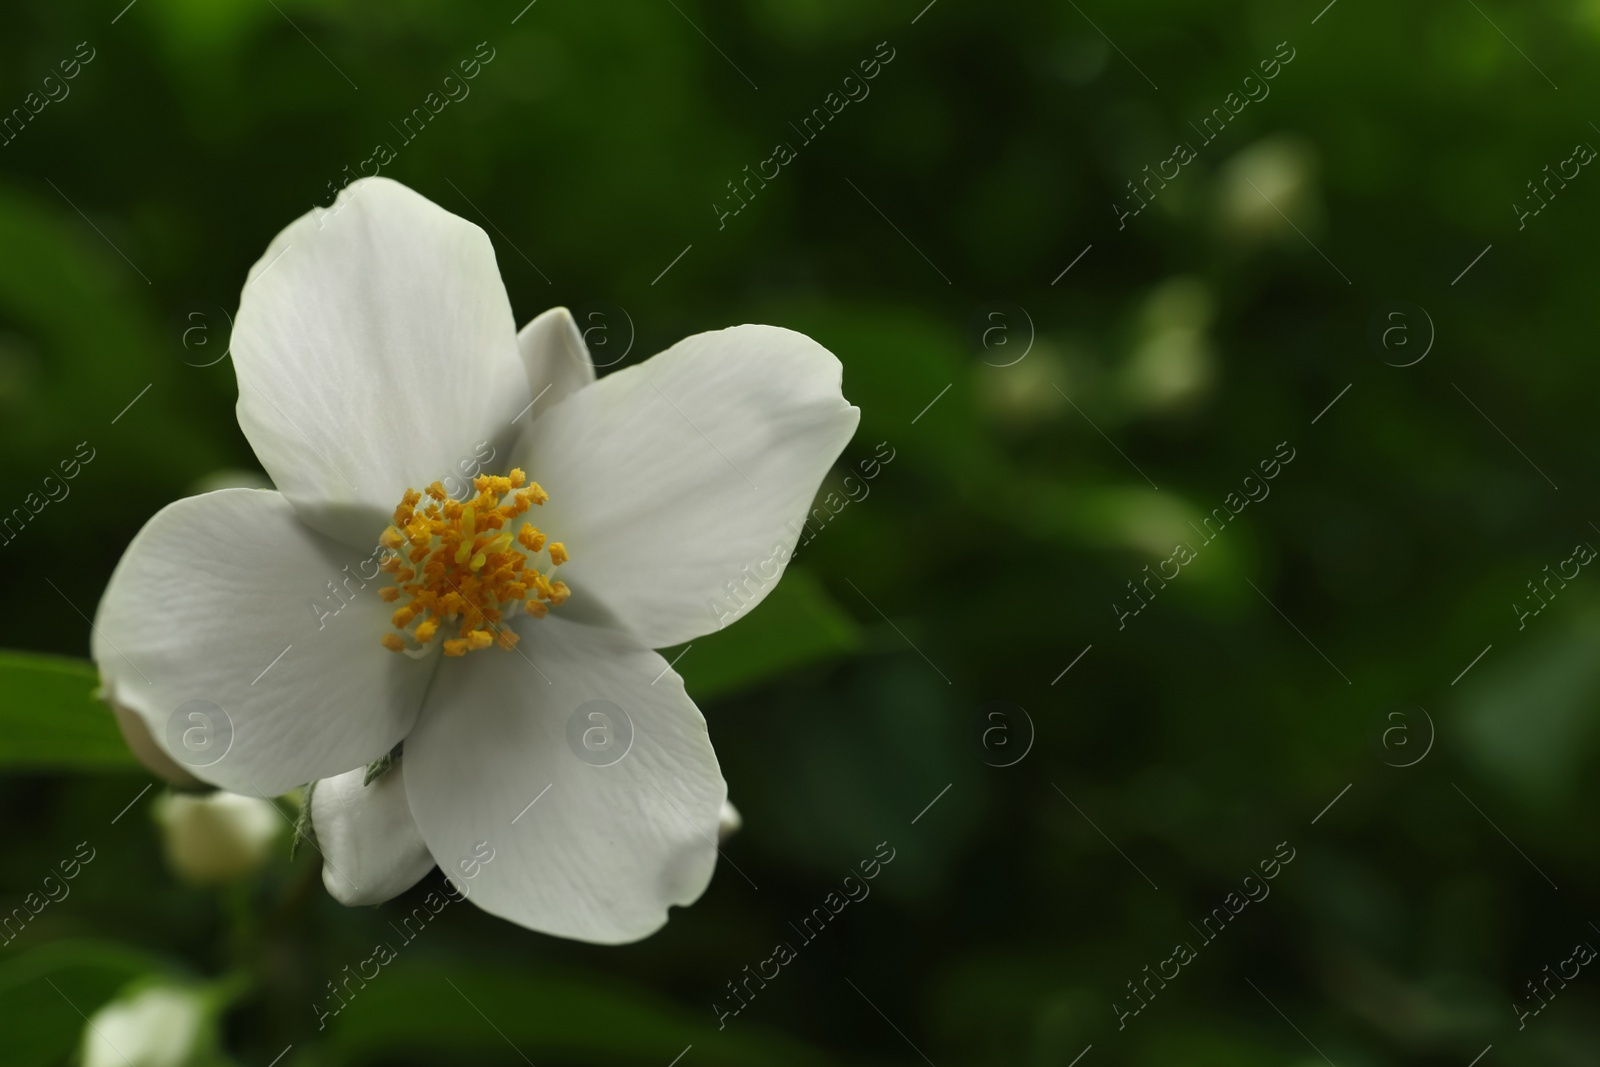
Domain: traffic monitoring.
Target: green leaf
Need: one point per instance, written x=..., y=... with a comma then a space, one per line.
x=414, y=1007
x=798, y=624
x=1529, y=722
x=43, y=990
x=50, y=718
x=304, y=829
x=898, y=365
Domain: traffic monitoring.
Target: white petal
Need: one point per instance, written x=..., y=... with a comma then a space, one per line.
x=375, y=349
x=556, y=358
x=371, y=850
x=249, y=644
x=668, y=479
x=536, y=834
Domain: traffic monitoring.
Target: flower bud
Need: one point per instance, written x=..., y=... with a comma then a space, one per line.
x=216, y=838
x=1265, y=183
x=729, y=821
x=159, y=1026
x=144, y=747
x=371, y=848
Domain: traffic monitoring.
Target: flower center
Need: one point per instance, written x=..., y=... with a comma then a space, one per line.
x=458, y=563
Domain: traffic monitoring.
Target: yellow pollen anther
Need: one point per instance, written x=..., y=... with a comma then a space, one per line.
x=466, y=568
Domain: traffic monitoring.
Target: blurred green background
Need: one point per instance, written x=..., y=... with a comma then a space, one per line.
x=1090, y=423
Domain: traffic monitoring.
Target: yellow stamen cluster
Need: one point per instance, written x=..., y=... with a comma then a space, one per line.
x=459, y=563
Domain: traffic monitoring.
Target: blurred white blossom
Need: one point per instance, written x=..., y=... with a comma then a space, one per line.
x=230, y=478
x=159, y=1026
x=1171, y=364
x=729, y=821
x=216, y=838
x=1279, y=169
x=1024, y=393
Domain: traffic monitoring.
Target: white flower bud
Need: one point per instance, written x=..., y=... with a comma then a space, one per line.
x=729, y=821
x=371, y=848
x=1273, y=175
x=218, y=837
x=160, y=1026
x=230, y=478
x=143, y=746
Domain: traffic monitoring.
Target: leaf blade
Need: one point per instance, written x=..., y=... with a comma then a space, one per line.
x=50, y=718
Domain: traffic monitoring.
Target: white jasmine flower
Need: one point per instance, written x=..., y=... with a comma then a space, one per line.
x=160, y=1026
x=376, y=356
x=216, y=838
